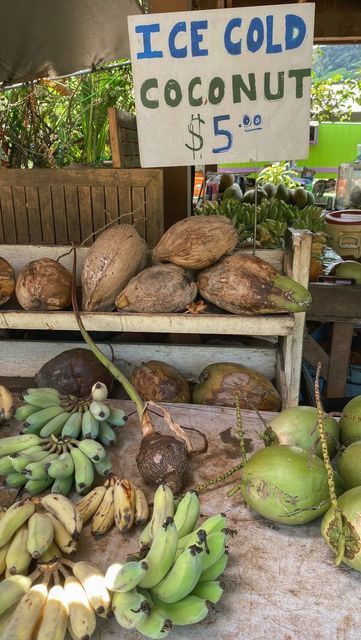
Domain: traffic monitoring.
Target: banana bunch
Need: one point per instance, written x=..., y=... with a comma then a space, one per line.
x=32, y=527
x=58, y=597
x=7, y=405
x=46, y=412
x=116, y=501
x=175, y=577
x=34, y=463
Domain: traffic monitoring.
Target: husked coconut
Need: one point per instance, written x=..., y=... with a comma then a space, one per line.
x=160, y=382
x=7, y=281
x=44, y=284
x=245, y=284
x=163, y=288
x=197, y=242
x=114, y=258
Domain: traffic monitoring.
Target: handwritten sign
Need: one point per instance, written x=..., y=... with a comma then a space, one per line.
x=226, y=85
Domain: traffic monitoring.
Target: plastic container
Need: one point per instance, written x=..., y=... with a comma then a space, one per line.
x=344, y=231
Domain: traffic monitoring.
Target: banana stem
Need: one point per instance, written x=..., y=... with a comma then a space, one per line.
x=118, y=375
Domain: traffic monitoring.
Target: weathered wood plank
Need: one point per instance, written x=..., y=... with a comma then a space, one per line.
x=8, y=217
x=2, y=237
x=32, y=202
x=339, y=359
x=138, y=208
x=125, y=205
x=313, y=354
x=86, y=177
x=98, y=206
x=72, y=213
x=111, y=204
x=21, y=215
x=114, y=137
x=46, y=212
x=59, y=213
x=24, y=358
x=334, y=301
x=85, y=215
x=154, y=210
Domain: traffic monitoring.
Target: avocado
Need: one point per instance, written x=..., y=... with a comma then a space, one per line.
x=233, y=191
x=250, y=196
x=269, y=188
x=300, y=197
x=291, y=196
x=310, y=198
x=227, y=179
x=281, y=193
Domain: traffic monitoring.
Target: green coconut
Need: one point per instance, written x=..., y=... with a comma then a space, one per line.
x=349, y=465
x=350, y=505
x=348, y=269
x=350, y=422
x=297, y=426
x=286, y=484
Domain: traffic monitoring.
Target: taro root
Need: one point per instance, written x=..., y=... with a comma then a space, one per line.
x=114, y=258
x=163, y=288
x=44, y=284
x=197, y=242
x=245, y=284
x=162, y=458
x=7, y=281
x=158, y=381
x=219, y=384
x=73, y=372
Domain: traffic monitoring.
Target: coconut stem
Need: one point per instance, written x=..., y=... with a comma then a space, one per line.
x=118, y=375
x=330, y=478
x=218, y=479
x=239, y=428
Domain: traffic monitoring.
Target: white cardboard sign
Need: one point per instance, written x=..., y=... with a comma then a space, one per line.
x=226, y=85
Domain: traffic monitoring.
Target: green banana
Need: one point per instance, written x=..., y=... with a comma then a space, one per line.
x=103, y=467
x=163, y=507
x=23, y=412
x=41, y=534
x=55, y=425
x=216, y=569
x=182, y=578
x=62, y=485
x=15, y=480
x=44, y=391
x=160, y=556
x=34, y=454
x=214, y=548
x=72, y=427
x=214, y=523
x=117, y=417
x=61, y=467
x=6, y=465
x=42, y=401
x=99, y=410
x=12, y=590
x=89, y=425
x=18, y=557
x=106, y=434
x=3, y=556
x=83, y=470
x=188, y=610
x=124, y=577
x=155, y=625
x=39, y=419
x=92, y=449
x=187, y=513
x=130, y=608
x=34, y=487
x=14, y=444
x=210, y=590
x=13, y=518
x=37, y=470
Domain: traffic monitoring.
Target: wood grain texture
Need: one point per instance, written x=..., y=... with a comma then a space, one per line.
x=339, y=359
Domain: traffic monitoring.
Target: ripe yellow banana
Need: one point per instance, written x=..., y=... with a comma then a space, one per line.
x=7, y=405
x=55, y=618
x=88, y=505
x=93, y=583
x=51, y=554
x=62, y=537
x=18, y=557
x=12, y=590
x=3, y=555
x=41, y=534
x=124, y=504
x=141, y=514
x=81, y=615
x=27, y=614
x=14, y=517
x=65, y=511
x=103, y=518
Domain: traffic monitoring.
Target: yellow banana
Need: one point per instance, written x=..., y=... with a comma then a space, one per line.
x=5, y=619
x=27, y=614
x=12, y=590
x=18, y=557
x=103, y=518
x=14, y=517
x=141, y=514
x=124, y=504
x=65, y=511
x=41, y=534
x=81, y=615
x=93, y=583
x=7, y=404
x=55, y=618
x=62, y=537
x=3, y=555
x=88, y=505
x=51, y=554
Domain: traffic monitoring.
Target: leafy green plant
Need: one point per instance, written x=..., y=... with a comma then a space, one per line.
x=277, y=173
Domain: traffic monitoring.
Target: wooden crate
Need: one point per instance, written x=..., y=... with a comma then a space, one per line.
x=61, y=206
x=281, y=361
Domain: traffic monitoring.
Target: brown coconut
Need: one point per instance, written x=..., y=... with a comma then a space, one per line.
x=163, y=288
x=197, y=242
x=7, y=281
x=220, y=382
x=114, y=258
x=160, y=382
x=245, y=284
x=44, y=284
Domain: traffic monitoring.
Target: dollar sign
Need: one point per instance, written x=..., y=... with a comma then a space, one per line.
x=197, y=138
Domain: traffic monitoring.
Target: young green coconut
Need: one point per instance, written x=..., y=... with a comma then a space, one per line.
x=161, y=458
